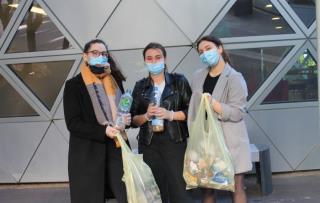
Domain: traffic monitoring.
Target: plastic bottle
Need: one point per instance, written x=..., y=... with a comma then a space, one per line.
x=157, y=124
x=123, y=108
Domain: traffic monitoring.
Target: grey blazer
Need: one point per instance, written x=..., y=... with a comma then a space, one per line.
x=231, y=92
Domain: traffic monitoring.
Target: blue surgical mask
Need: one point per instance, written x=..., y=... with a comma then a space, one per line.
x=93, y=63
x=210, y=57
x=155, y=68
x=100, y=60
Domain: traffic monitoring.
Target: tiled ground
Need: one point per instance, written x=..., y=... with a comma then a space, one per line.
x=299, y=187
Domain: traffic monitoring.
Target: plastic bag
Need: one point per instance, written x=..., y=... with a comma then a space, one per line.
x=140, y=184
x=207, y=161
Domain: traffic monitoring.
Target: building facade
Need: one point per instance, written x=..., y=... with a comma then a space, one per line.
x=271, y=42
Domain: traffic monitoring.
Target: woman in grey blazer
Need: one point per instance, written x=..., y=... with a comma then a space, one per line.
x=229, y=94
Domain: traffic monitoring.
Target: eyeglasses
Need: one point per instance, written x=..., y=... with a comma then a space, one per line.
x=97, y=53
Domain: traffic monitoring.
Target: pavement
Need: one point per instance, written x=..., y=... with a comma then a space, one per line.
x=295, y=187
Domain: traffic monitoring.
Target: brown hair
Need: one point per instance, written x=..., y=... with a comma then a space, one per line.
x=154, y=45
x=115, y=71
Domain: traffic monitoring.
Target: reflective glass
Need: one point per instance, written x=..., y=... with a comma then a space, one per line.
x=44, y=79
x=299, y=84
x=37, y=33
x=256, y=64
x=252, y=18
x=12, y=103
x=7, y=8
x=305, y=9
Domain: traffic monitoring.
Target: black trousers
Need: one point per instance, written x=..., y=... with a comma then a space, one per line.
x=114, y=172
x=165, y=158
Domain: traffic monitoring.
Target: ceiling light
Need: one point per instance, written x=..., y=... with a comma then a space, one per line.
x=34, y=9
x=269, y=6
x=275, y=18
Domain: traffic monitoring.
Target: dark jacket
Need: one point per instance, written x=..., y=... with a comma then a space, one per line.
x=175, y=96
x=87, y=145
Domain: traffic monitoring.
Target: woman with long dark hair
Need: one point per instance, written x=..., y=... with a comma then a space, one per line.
x=90, y=106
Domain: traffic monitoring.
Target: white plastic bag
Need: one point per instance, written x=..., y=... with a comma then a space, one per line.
x=207, y=160
x=140, y=183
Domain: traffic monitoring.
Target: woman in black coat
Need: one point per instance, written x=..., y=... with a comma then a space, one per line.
x=90, y=98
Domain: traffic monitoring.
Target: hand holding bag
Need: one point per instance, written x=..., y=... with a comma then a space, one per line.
x=140, y=184
x=207, y=160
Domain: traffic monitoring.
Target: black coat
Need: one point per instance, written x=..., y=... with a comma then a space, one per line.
x=87, y=145
x=176, y=96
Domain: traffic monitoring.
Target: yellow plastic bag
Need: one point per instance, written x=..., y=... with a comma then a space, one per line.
x=140, y=183
x=207, y=161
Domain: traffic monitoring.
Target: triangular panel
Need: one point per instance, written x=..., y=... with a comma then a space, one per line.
x=314, y=43
x=37, y=32
x=92, y=23
x=50, y=161
x=131, y=62
x=127, y=29
x=6, y=177
x=7, y=10
x=59, y=114
x=193, y=25
x=256, y=64
x=190, y=64
x=18, y=143
x=252, y=18
x=289, y=131
x=12, y=103
x=44, y=79
x=312, y=161
x=61, y=126
x=257, y=136
x=299, y=84
x=306, y=10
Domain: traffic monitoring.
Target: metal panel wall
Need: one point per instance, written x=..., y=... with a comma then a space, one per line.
x=290, y=129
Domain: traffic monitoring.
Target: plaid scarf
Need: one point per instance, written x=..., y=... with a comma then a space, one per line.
x=104, y=94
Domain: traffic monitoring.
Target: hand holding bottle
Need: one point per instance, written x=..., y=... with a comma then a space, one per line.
x=163, y=113
x=151, y=111
x=156, y=122
x=126, y=119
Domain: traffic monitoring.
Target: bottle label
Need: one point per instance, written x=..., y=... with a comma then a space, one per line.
x=156, y=121
x=123, y=108
x=125, y=102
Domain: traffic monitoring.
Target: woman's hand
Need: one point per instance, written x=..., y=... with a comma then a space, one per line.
x=151, y=111
x=211, y=100
x=163, y=113
x=215, y=105
x=127, y=119
x=111, y=132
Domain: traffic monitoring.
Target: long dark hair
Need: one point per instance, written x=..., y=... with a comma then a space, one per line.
x=115, y=71
x=218, y=43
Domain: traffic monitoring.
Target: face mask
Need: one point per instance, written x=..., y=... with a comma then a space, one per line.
x=210, y=57
x=97, y=64
x=155, y=68
x=101, y=60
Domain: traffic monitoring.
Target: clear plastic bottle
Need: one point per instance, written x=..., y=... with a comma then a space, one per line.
x=123, y=108
x=157, y=124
